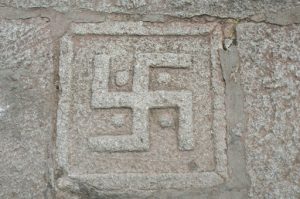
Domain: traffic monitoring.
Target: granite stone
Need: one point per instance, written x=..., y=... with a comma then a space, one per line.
x=27, y=108
x=190, y=153
x=270, y=65
x=149, y=99
x=183, y=8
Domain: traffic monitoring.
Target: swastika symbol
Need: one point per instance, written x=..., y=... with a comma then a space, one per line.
x=140, y=100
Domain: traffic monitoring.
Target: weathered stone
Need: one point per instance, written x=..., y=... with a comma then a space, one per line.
x=118, y=120
x=150, y=105
x=163, y=78
x=27, y=97
x=122, y=78
x=166, y=120
x=220, y=8
x=146, y=157
x=270, y=61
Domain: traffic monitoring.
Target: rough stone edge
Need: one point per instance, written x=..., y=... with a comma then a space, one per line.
x=218, y=106
x=282, y=16
x=65, y=74
x=235, y=117
x=136, y=181
x=142, y=28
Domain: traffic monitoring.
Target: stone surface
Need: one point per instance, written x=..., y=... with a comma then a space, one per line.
x=163, y=78
x=220, y=8
x=270, y=62
x=27, y=107
x=149, y=99
x=122, y=78
x=118, y=120
x=146, y=157
x=166, y=120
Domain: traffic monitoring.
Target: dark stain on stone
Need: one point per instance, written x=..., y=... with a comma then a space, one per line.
x=192, y=165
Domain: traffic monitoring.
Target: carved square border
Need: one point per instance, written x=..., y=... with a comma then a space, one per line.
x=139, y=181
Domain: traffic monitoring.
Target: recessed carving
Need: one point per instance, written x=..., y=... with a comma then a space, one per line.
x=173, y=133
x=141, y=100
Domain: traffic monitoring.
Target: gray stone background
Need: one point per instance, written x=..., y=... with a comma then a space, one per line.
x=261, y=69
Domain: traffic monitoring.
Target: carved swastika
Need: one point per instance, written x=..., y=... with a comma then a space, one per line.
x=141, y=100
x=142, y=106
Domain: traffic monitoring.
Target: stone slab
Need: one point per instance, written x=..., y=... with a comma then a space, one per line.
x=26, y=108
x=188, y=8
x=174, y=135
x=270, y=73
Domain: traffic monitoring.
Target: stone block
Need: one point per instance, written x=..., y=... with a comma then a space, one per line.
x=174, y=136
x=270, y=71
x=184, y=8
x=27, y=108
